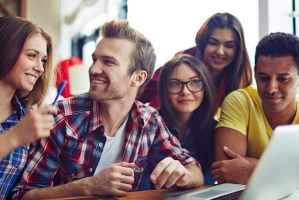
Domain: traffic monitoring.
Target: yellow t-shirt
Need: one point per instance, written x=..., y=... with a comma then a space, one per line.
x=242, y=111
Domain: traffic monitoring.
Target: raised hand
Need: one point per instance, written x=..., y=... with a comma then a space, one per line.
x=35, y=125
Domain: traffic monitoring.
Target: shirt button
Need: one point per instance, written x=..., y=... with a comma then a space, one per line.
x=101, y=144
x=90, y=169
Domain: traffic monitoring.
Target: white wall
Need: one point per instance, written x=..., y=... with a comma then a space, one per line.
x=171, y=25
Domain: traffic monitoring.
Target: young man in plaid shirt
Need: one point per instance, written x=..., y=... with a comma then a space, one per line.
x=102, y=141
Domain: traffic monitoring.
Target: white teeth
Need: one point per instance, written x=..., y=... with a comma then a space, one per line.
x=98, y=81
x=31, y=77
x=219, y=58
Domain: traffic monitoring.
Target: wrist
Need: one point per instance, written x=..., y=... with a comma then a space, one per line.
x=13, y=139
x=82, y=187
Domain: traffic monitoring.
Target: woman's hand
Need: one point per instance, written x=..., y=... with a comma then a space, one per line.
x=35, y=125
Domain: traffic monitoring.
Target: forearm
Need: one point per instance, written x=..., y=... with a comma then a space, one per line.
x=8, y=143
x=76, y=188
x=197, y=178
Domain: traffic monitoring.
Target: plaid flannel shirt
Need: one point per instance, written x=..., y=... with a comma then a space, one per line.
x=77, y=140
x=13, y=163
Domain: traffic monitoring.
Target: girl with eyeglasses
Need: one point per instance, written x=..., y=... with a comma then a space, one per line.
x=187, y=102
x=26, y=69
x=220, y=45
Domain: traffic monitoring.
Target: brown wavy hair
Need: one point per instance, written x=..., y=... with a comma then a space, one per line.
x=14, y=32
x=238, y=74
x=202, y=121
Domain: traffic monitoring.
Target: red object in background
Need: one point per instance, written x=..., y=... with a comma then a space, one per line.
x=63, y=73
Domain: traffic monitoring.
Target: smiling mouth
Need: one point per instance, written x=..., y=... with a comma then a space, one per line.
x=218, y=60
x=270, y=98
x=99, y=81
x=31, y=77
x=185, y=101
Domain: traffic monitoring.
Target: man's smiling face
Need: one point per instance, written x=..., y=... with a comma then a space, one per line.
x=277, y=82
x=109, y=79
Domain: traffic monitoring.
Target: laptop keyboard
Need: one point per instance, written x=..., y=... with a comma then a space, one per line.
x=230, y=196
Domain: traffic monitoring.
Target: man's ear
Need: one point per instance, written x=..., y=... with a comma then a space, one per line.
x=139, y=78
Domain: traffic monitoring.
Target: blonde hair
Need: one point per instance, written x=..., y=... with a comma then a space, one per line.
x=144, y=56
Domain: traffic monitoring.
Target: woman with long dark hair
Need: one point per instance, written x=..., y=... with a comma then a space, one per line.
x=26, y=69
x=187, y=103
x=220, y=45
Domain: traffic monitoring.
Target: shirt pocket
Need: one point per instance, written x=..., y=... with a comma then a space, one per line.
x=75, y=158
x=74, y=171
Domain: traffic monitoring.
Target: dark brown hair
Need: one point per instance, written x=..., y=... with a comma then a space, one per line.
x=144, y=56
x=14, y=32
x=202, y=121
x=239, y=70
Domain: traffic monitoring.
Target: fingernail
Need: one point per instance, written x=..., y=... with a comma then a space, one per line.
x=225, y=148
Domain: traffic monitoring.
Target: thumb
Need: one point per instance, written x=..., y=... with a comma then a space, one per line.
x=230, y=153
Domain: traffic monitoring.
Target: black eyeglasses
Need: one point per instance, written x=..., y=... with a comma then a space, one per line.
x=176, y=87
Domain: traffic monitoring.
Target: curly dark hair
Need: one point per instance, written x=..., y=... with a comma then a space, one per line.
x=278, y=45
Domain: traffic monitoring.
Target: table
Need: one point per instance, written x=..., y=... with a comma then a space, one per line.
x=144, y=195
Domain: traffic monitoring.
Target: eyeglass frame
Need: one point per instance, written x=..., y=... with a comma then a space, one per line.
x=186, y=83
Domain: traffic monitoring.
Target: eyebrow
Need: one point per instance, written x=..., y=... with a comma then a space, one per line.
x=189, y=78
x=36, y=51
x=225, y=42
x=281, y=74
x=108, y=57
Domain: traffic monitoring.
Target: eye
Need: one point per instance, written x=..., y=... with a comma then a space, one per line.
x=212, y=43
x=32, y=55
x=108, y=62
x=196, y=82
x=230, y=46
x=44, y=61
x=94, y=60
x=173, y=84
x=282, y=79
x=263, y=78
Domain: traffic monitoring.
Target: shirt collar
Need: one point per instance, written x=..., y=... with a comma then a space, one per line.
x=21, y=108
x=95, y=119
x=139, y=113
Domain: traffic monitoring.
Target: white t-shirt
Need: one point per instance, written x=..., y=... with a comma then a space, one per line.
x=113, y=149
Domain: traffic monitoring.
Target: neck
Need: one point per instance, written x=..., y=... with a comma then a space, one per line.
x=183, y=119
x=6, y=106
x=281, y=118
x=114, y=113
x=217, y=76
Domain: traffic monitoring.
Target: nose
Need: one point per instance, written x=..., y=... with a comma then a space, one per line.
x=185, y=90
x=39, y=66
x=95, y=68
x=220, y=50
x=272, y=86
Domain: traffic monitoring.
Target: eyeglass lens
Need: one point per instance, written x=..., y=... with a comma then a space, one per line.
x=176, y=87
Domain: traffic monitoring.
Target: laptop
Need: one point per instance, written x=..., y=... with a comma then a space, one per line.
x=276, y=175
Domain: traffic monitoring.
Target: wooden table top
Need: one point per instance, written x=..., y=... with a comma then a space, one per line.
x=144, y=195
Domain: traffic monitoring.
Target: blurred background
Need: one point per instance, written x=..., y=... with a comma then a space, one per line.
x=171, y=25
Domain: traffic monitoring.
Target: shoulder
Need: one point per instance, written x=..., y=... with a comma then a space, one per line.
x=147, y=114
x=243, y=96
x=76, y=104
x=190, y=51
